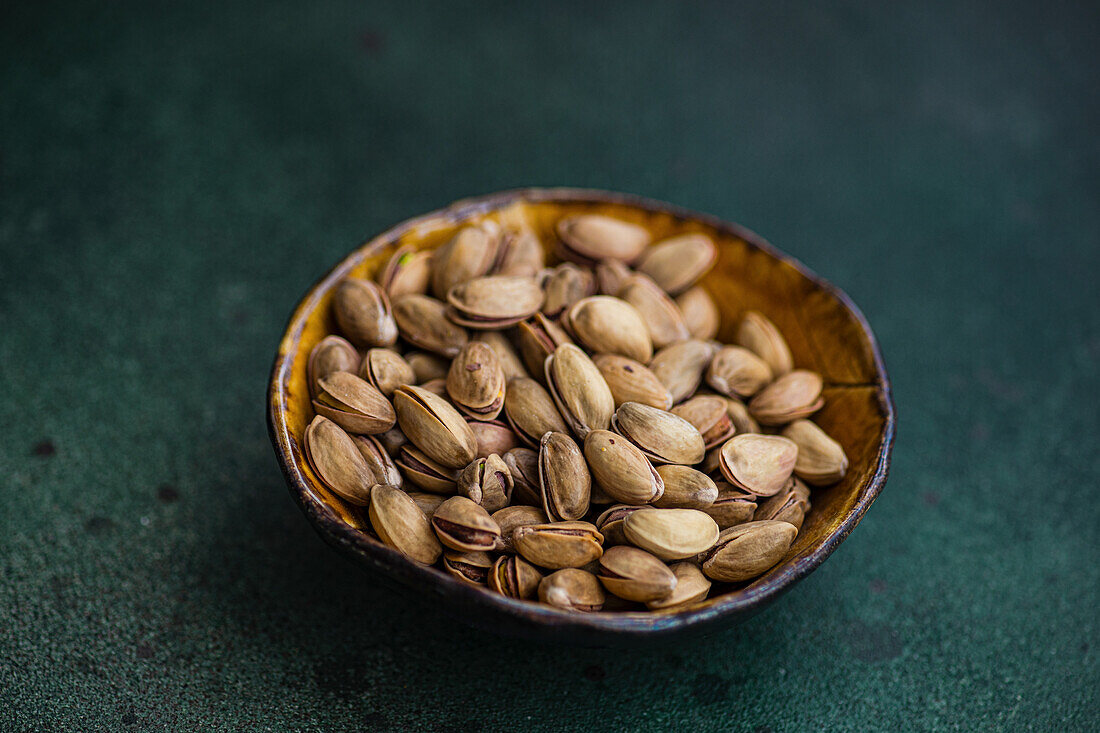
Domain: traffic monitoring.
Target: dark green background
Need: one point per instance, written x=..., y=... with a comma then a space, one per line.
x=174, y=176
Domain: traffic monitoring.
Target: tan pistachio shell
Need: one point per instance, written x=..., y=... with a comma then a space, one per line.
x=475, y=381
x=588, y=238
x=572, y=589
x=460, y=524
x=608, y=325
x=621, y=469
x=739, y=415
x=381, y=465
x=520, y=253
x=671, y=534
x=565, y=285
x=363, y=313
x=538, y=338
x=428, y=503
x=635, y=575
x=579, y=391
x=793, y=396
x=506, y=353
x=386, y=370
x=760, y=336
x=662, y=436
x=760, y=464
x=531, y=411
x=423, y=322
x=710, y=417
x=678, y=262
x=564, y=481
x=494, y=302
x=331, y=354
x=558, y=545
x=790, y=505
x=514, y=577
x=685, y=488
x=733, y=506
x=737, y=372
x=422, y=471
x=662, y=316
x=408, y=270
x=427, y=366
x=469, y=567
x=487, y=482
x=353, y=403
x=821, y=460
x=523, y=464
x=700, y=313
x=392, y=440
x=681, y=367
x=434, y=426
x=511, y=517
x=610, y=523
x=691, y=587
x=493, y=436
x=631, y=381
x=611, y=275
x=470, y=253
x=400, y=524
x=748, y=550
x=336, y=460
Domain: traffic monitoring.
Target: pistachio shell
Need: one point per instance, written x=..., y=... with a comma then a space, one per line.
x=677, y=263
x=662, y=436
x=463, y=525
x=428, y=503
x=424, y=472
x=434, y=426
x=789, y=505
x=564, y=482
x=611, y=275
x=475, y=381
x=821, y=460
x=493, y=436
x=470, y=253
x=363, y=313
x=691, y=587
x=795, y=395
x=566, y=285
x=737, y=372
x=487, y=482
x=469, y=567
x=621, y=469
x=685, y=488
x=523, y=464
x=538, y=338
x=336, y=460
x=511, y=517
x=681, y=366
x=572, y=589
x=580, y=393
x=520, y=253
x=589, y=238
x=733, y=506
x=671, y=534
x=610, y=523
x=760, y=336
x=514, y=577
x=506, y=353
x=400, y=524
x=392, y=440
x=427, y=366
x=331, y=354
x=709, y=416
x=760, y=464
x=494, y=302
x=748, y=550
x=380, y=463
x=559, y=544
x=423, y=322
x=406, y=271
x=531, y=411
x=635, y=574
x=700, y=313
x=662, y=316
x=353, y=404
x=608, y=325
x=631, y=381
x=386, y=370
x=739, y=415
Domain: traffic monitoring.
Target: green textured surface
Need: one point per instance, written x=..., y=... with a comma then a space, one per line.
x=173, y=178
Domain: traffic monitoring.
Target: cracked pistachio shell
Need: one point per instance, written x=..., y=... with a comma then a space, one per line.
x=493, y=436
x=556, y=545
x=379, y=461
x=336, y=460
x=422, y=321
x=631, y=381
x=463, y=525
x=821, y=460
x=494, y=302
x=331, y=354
x=565, y=285
x=424, y=472
x=523, y=464
x=789, y=505
x=685, y=488
x=434, y=426
x=386, y=370
x=760, y=336
x=760, y=464
x=407, y=271
x=511, y=517
x=748, y=550
x=635, y=575
x=678, y=262
x=487, y=482
x=506, y=353
x=588, y=238
x=520, y=253
x=353, y=404
x=428, y=503
x=531, y=411
x=671, y=534
x=475, y=381
x=470, y=253
x=438, y=387
x=611, y=326
x=621, y=469
x=514, y=577
x=427, y=366
x=739, y=415
x=538, y=338
x=572, y=589
x=691, y=587
x=681, y=366
x=392, y=440
x=363, y=313
x=400, y=524
x=793, y=396
x=469, y=567
x=737, y=372
x=579, y=391
x=611, y=275
x=662, y=436
x=610, y=523
x=662, y=316
x=700, y=313
x=733, y=506
x=709, y=416
x=564, y=482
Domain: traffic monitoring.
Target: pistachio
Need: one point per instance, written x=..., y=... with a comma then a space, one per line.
x=710, y=417
x=795, y=395
x=580, y=393
x=631, y=381
x=566, y=285
x=611, y=275
x=380, y=463
x=635, y=574
x=520, y=253
x=470, y=253
x=691, y=587
x=821, y=460
x=760, y=336
x=438, y=387
x=514, y=577
x=506, y=353
x=610, y=523
x=760, y=464
x=531, y=411
x=732, y=507
x=494, y=302
x=685, y=488
x=407, y=271
x=426, y=366
x=463, y=525
x=564, y=481
x=700, y=313
x=662, y=436
x=428, y=503
x=424, y=472
x=677, y=263
x=422, y=321
x=386, y=370
x=493, y=436
x=671, y=534
x=621, y=469
x=662, y=316
x=392, y=440
x=511, y=517
x=469, y=567
x=737, y=372
x=572, y=589
x=353, y=404
x=748, y=550
x=558, y=544
x=331, y=354
x=789, y=505
x=739, y=415
x=588, y=238
x=608, y=325
x=400, y=524
x=363, y=313
x=487, y=482
x=434, y=426
x=475, y=381
x=336, y=460
x=523, y=465
x=681, y=366
x=538, y=338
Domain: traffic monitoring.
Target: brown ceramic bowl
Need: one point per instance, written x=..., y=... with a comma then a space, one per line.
x=826, y=333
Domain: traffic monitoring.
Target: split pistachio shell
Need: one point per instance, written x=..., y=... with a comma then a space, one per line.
x=427, y=366
x=610, y=523
x=671, y=534
x=677, y=263
x=400, y=524
x=821, y=460
x=748, y=550
x=733, y=506
x=579, y=391
x=635, y=574
x=434, y=426
x=709, y=416
x=494, y=302
x=572, y=589
x=685, y=488
x=662, y=316
x=506, y=353
x=631, y=381
x=469, y=567
x=523, y=464
x=392, y=440
x=681, y=367
x=789, y=505
x=737, y=372
x=438, y=387
x=493, y=436
x=470, y=253
x=621, y=469
x=589, y=238
x=608, y=325
x=538, y=338
x=760, y=336
x=760, y=464
x=424, y=472
x=739, y=415
x=700, y=313
x=353, y=404
x=331, y=354
x=793, y=396
x=336, y=460
x=380, y=463
x=611, y=276
x=487, y=482
x=363, y=313
x=531, y=411
x=511, y=517
x=520, y=253
x=428, y=503
x=475, y=381
x=559, y=544
x=407, y=271
x=463, y=525
x=564, y=482
x=386, y=370
x=565, y=285
x=691, y=587
x=514, y=577
x=662, y=436
x=423, y=322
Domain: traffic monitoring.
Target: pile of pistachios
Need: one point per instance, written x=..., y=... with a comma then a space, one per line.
x=569, y=433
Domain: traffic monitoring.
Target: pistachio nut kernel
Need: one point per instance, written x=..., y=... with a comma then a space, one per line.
x=579, y=391
x=463, y=525
x=566, y=285
x=760, y=336
x=514, y=577
x=493, y=436
x=611, y=276
x=700, y=313
x=662, y=436
x=353, y=404
x=681, y=367
x=511, y=517
x=381, y=465
x=408, y=270
x=558, y=545
x=588, y=238
x=469, y=567
x=691, y=588
x=386, y=370
x=795, y=395
x=710, y=417
x=737, y=372
x=677, y=263
x=487, y=482
x=400, y=524
x=336, y=460
x=531, y=411
x=621, y=469
x=423, y=322
x=494, y=302
x=760, y=464
x=789, y=505
x=732, y=507
x=671, y=534
x=564, y=482
x=748, y=550
x=434, y=426
x=363, y=313
x=572, y=589
x=427, y=366
x=331, y=354
x=523, y=465
x=685, y=488
x=422, y=471
x=608, y=325
x=610, y=523
x=635, y=574
x=506, y=353
x=470, y=253
x=475, y=381
x=821, y=460
x=739, y=415
x=428, y=503
x=631, y=381
x=538, y=338
x=662, y=316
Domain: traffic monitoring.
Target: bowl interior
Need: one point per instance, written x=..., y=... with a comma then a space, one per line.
x=824, y=330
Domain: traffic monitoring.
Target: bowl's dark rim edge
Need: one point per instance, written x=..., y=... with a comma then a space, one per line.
x=345, y=537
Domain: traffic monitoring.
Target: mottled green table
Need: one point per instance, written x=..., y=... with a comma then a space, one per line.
x=174, y=176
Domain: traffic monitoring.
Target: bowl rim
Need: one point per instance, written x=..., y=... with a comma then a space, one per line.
x=364, y=550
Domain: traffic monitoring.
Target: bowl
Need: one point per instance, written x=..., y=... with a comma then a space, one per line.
x=825, y=331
